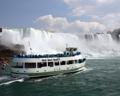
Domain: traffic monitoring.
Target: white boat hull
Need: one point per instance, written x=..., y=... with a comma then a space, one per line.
x=47, y=71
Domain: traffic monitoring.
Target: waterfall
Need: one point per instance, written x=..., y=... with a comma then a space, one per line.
x=37, y=41
x=101, y=44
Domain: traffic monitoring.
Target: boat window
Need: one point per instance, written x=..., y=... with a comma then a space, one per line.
x=30, y=65
x=84, y=59
x=39, y=65
x=50, y=64
x=17, y=65
x=44, y=64
x=62, y=62
x=70, y=62
x=56, y=63
x=80, y=60
x=76, y=61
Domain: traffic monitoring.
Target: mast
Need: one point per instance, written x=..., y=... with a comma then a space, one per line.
x=30, y=47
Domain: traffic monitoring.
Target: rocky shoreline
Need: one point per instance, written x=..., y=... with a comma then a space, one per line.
x=6, y=55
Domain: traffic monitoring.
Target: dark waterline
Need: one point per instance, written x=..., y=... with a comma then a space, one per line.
x=100, y=78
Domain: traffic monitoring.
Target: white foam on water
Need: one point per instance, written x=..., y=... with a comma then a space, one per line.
x=87, y=69
x=4, y=77
x=84, y=70
x=38, y=80
x=12, y=81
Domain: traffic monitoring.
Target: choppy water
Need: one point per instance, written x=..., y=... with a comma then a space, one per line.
x=101, y=77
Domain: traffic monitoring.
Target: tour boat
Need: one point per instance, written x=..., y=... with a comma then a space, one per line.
x=69, y=61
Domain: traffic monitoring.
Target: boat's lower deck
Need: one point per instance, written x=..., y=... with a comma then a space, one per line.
x=47, y=71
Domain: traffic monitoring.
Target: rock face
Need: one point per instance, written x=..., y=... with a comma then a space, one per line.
x=116, y=35
x=19, y=49
x=7, y=53
x=91, y=36
x=16, y=49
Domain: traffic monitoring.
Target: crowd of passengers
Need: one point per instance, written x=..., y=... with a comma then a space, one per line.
x=48, y=55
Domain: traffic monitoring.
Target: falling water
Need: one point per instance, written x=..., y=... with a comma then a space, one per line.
x=38, y=41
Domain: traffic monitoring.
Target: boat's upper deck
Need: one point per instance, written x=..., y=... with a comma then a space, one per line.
x=68, y=53
x=48, y=55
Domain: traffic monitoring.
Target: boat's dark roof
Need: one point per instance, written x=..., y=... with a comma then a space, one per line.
x=65, y=54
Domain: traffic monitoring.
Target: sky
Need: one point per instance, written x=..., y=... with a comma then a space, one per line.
x=61, y=15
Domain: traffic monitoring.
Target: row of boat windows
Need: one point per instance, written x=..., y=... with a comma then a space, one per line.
x=44, y=64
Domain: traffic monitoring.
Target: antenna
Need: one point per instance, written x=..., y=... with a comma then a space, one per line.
x=30, y=47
